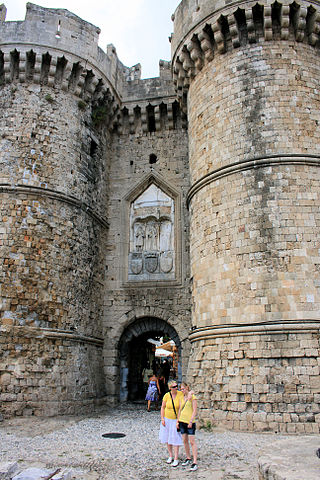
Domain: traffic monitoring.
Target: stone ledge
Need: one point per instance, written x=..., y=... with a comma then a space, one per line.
x=291, y=459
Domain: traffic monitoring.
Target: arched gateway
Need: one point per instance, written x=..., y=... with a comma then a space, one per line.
x=133, y=351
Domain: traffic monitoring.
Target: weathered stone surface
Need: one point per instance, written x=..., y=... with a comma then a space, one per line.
x=92, y=261
x=290, y=460
x=254, y=213
x=7, y=470
x=79, y=137
x=33, y=473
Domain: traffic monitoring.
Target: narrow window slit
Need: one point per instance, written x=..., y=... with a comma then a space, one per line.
x=153, y=158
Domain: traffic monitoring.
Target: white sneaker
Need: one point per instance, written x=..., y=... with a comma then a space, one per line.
x=193, y=467
x=175, y=463
x=169, y=460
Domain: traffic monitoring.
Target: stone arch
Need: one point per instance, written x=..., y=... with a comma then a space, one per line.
x=132, y=337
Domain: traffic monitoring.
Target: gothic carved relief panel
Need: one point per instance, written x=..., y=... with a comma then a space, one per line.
x=152, y=246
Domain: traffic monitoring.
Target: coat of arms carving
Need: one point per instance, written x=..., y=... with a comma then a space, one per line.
x=152, y=246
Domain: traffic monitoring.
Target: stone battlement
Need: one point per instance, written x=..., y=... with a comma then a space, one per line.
x=201, y=31
x=44, y=48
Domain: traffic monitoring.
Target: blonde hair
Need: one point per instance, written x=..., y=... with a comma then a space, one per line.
x=172, y=382
x=184, y=384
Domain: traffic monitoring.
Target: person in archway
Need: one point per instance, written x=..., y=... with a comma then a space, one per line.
x=163, y=386
x=146, y=374
x=165, y=367
x=186, y=424
x=168, y=429
x=153, y=391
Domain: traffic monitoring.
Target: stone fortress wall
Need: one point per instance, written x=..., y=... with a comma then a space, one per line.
x=250, y=73
x=103, y=187
x=150, y=152
x=79, y=131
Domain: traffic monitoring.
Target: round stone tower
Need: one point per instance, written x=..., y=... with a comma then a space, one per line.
x=249, y=75
x=55, y=95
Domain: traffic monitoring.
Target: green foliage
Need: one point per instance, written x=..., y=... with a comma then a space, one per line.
x=99, y=115
x=207, y=426
x=49, y=98
x=82, y=105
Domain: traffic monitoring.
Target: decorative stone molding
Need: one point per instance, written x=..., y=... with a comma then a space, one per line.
x=160, y=114
x=61, y=197
x=55, y=334
x=152, y=234
x=296, y=326
x=219, y=32
x=69, y=73
x=248, y=164
x=153, y=248
x=145, y=325
x=164, y=315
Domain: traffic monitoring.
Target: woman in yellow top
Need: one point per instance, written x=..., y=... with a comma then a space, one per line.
x=186, y=424
x=168, y=428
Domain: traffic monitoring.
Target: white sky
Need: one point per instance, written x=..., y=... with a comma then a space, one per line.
x=139, y=29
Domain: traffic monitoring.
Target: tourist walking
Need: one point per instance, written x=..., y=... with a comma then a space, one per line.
x=153, y=391
x=186, y=424
x=168, y=428
x=147, y=372
x=165, y=368
x=163, y=386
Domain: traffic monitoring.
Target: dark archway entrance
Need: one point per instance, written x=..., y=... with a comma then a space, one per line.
x=135, y=351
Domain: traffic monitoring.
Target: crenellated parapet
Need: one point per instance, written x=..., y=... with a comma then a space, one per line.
x=203, y=30
x=56, y=48
x=150, y=105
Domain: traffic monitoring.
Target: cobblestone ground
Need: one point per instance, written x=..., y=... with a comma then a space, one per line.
x=77, y=443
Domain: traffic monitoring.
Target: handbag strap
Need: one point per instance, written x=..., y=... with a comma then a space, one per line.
x=185, y=403
x=174, y=408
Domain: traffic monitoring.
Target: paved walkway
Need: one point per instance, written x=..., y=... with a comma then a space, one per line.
x=77, y=444
x=291, y=459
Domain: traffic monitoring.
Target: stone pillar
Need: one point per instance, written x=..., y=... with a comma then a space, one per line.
x=254, y=127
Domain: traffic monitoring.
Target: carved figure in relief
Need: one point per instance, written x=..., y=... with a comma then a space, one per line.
x=165, y=236
x=152, y=234
x=139, y=236
x=152, y=237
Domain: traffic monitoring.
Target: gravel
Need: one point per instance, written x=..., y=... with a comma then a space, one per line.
x=77, y=443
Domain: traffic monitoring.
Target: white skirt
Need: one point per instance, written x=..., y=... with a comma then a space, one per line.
x=169, y=434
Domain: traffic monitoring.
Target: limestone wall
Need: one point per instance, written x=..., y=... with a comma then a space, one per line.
x=251, y=76
x=82, y=136
x=63, y=35
x=53, y=189
x=51, y=235
x=138, y=160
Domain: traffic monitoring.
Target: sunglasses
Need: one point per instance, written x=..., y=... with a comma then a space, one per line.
x=174, y=386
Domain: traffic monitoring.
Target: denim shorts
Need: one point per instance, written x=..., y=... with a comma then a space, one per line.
x=184, y=428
